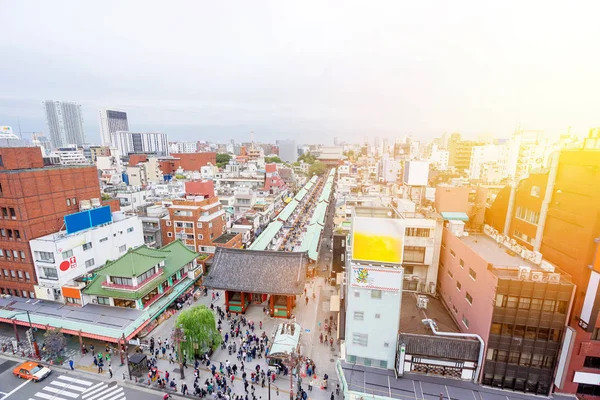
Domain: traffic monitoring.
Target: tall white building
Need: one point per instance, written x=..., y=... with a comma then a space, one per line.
x=146, y=142
x=288, y=150
x=184, y=147
x=65, y=123
x=374, y=291
x=439, y=157
x=488, y=161
x=62, y=260
x=70, y=156
x=112, y=121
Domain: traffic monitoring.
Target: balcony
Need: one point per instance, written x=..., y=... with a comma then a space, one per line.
x=110, y=285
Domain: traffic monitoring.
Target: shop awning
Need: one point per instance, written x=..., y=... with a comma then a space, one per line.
x=334, y=303
x=454, y=216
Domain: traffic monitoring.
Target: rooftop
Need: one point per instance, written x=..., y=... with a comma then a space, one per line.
x=411, y=316
x=252, y=271
x=225, y=238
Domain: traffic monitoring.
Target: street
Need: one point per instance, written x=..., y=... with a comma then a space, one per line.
x=63, y=385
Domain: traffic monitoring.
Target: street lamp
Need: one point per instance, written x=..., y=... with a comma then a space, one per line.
x=33, y=341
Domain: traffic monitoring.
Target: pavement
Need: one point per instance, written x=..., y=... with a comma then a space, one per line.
x=65, y=385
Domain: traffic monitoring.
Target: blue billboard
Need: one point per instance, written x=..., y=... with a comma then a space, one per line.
x=87, y=219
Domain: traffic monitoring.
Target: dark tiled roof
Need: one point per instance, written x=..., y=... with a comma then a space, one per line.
x=438, y=346
x=251, y=271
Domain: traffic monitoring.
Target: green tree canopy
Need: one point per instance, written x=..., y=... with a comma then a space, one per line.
x=274, y=159
x=317, y=168
x=55, y=342
x=307, y=158
x=200, y=330
x=223, y=160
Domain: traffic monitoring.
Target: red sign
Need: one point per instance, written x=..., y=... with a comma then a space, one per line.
x=68, y=264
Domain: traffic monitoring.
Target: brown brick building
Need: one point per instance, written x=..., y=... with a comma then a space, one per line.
x=33, y=202
x=200, y=224
x=193, y=161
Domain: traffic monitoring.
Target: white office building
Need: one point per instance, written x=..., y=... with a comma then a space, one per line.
x=65, y=123
x=184, y=147
x=112, y=121
x=439, y=157
x=62, y=261
x=487, y=158
x=70, y=156
x=288, y=150
x=373, y=291
x=142, y=142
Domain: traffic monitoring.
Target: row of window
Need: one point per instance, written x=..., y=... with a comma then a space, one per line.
x=525, y=359
x=414, y=254
x=15, y=255
x=533, y=217
x=17, y=293
x=527, y=332
x=375, y=294
x=16, y=274
x=528, y=303
x=10, y=234
x=71, y=201
x=8, y=213
x=418, y=232
x=523, y=237
x=360, y=316
x=362, y=339
x=369, y=362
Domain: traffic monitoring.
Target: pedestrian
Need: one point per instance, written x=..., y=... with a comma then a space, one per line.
x=71, y=364
x=332, y=396
x=92, y=348
x=110, y=370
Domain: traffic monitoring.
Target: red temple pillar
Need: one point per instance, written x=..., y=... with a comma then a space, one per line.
x=272, y=305
x=243, y=302
x=227, y=300
x=289, y=306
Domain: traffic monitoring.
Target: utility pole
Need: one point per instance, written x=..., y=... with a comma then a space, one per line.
x=293, y=361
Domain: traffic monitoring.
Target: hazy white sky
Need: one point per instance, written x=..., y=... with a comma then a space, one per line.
x=310, y=70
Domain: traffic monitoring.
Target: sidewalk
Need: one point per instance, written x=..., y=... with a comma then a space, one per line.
x=306, y=316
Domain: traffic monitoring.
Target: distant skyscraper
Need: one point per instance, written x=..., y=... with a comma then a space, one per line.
x=112, y=121
x=136, y=143
x=288, y=151
x=65, y=123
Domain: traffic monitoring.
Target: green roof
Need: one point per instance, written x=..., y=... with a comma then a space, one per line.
x=288, y=210
x=137, y=261
x=454, y=216
x=319, y=214
x=265, y=238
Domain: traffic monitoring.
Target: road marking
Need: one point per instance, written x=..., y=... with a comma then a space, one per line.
x=15, y=389
x=447, y=392
x=68, y=386
x=61, y=391
x=117, y=396
x=88, y=390
x=79, y=381
x=48, y=396
x=101, y=386
x=110, y=394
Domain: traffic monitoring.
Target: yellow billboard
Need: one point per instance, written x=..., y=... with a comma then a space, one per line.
x=378, y=240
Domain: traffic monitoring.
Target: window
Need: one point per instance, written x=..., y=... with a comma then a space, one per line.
x=452, y=253
x=72, y=300
x=87, y=246
x=543, y=333
x=27, y=276
x=188, y=225
x=584, y=388
x=595, y=333
x=15, y=254
x=122, y=248
x=31, y=295
x=519, y=331
x=536, y=360
x=89, y=263
x=507, y=329
x=472, y=274
x=168, y=223
x=418, y=232
x=377, y=316
x=117, y=280
x=513, y=357
x=13, y=214
x=12, y=274
x=50, y=273
x=496, y=328
x=20, y=274
x=199, y=224
x=461, y=262
x=10, y=233
x=169, y=234
x=536, y=304
x=103, y=300
x=200, y=237
x=548, y=305
x=535, y=191
x=501, y=356
x=356, y=294
x=179, y=224
x=210, y=224
x=414, y=254
x=465, y=321
x=17, y=234
x=359, y=316
x=469, y=298
x=73, y=201
x=450, y=274
x=146, y=275
x=4, y=212
x=360, y=339
x=533, y=217
x=68, y=202
x=458, y=285
x=512, y=302
x=375, y=294
x=561, y=307
x=525, y=359
x=44, y=256
x=3, y=232
x=530, y=332
x=22, y=255
x=520, y=235
x=130, y=229
x=67, y=254
x=103, y=239
x=524, y=303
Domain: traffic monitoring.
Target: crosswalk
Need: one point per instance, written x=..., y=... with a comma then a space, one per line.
x=67, y=388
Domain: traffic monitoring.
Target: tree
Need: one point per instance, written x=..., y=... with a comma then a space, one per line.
x=105, y=196
x=273, y=159
x=350, y=154
x=200, y=330
x=317, y=168
x=55, y=342
x=307, y=158
x=223, y=160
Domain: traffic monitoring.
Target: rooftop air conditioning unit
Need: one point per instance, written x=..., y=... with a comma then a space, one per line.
x=554, y=277
x=84, y=205
x=524, y=273
x=537, y=276
x=537, y=257
x=546, y=266
x=96, y=202
x=524, y=252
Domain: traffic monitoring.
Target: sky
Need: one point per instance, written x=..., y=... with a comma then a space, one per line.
x=305, y=70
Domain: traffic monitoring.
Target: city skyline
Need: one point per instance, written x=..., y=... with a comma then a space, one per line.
x=389, y=70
